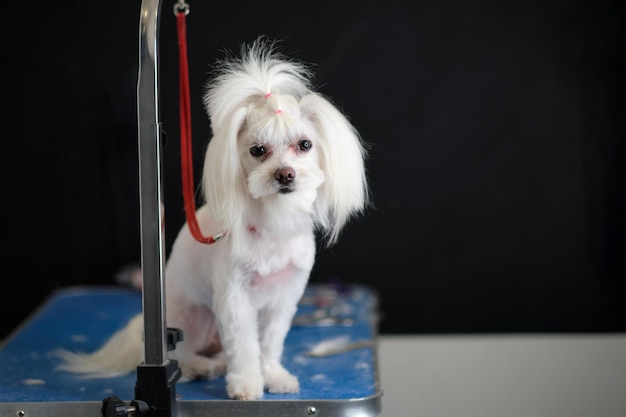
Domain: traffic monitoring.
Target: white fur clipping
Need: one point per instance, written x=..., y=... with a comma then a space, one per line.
x=336, y=346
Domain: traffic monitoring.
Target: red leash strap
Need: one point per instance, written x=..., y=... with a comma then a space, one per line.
x=185, y=133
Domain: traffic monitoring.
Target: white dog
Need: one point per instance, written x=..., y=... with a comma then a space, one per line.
x=283, y=164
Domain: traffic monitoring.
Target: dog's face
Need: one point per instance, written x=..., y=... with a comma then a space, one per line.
x=287, y=166
x=279, y=154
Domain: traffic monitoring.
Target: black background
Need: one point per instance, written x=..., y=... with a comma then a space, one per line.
x=496, y=160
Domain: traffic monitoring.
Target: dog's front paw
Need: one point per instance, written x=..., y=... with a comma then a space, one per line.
x=279, y=381
x=247, y=386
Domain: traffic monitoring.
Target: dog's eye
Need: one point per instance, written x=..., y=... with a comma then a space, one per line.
x=305, y=145
x=257, y=150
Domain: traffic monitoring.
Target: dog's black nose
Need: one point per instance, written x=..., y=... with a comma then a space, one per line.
x=285, y=175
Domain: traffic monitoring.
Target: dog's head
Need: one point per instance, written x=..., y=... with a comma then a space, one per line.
x=278, y=146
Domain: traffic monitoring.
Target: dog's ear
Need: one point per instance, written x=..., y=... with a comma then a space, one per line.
x=223, y=181
x=345, y=191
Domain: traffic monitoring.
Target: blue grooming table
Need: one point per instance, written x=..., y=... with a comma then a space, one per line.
x=342, y=384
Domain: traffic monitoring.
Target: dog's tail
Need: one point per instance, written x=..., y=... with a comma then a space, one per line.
x=120, y=355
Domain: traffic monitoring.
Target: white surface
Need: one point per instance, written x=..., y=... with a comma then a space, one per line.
x=510, y=375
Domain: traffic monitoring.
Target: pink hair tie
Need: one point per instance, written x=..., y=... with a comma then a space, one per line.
x=277, y=111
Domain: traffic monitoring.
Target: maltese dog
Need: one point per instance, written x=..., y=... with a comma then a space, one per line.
x=283, y=164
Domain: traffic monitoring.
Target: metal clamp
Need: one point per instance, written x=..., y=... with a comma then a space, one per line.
x=181, y=6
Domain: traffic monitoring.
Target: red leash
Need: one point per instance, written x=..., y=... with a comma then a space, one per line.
x=181, y=10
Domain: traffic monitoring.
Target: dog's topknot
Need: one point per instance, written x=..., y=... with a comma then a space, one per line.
x=258, y=70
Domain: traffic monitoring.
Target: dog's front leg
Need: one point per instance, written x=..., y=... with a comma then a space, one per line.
x=274, y=324
x=237, y=323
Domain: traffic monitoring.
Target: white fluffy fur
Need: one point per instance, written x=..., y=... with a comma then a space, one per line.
x=235, y=299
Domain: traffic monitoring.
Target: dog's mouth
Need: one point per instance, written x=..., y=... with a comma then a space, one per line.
x=285, y=190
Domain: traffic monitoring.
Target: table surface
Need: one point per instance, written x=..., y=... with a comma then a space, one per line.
x=82, y=318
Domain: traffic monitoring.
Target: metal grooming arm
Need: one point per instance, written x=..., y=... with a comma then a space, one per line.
x=157, y=376
x=150, y=136
x=155, y=388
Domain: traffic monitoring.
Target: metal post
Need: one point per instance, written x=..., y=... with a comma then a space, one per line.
x=149, y=129
x=156, y=376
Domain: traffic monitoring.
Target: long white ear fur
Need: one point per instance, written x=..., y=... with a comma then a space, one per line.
x=345, y=191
